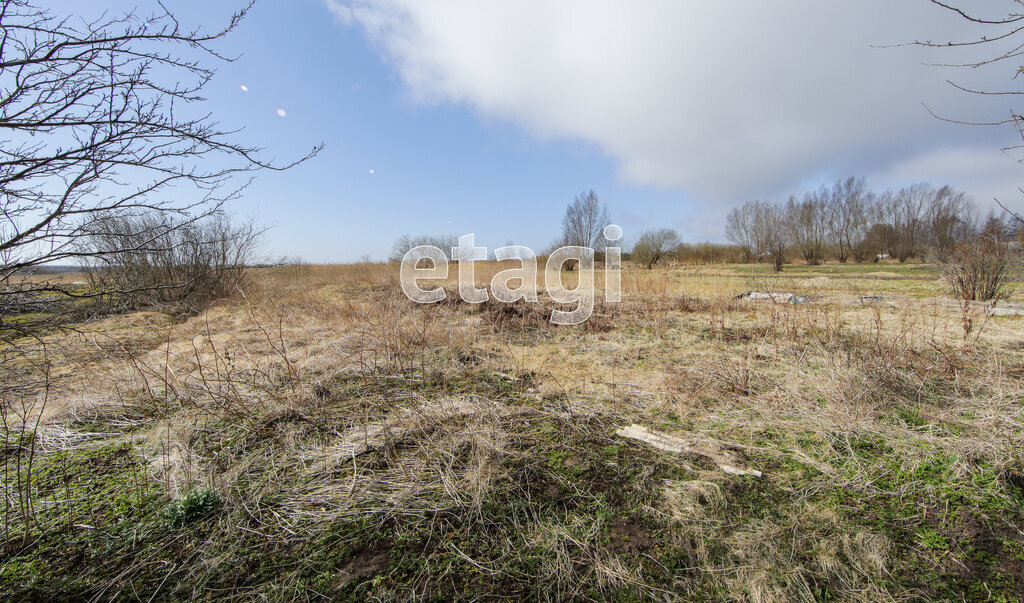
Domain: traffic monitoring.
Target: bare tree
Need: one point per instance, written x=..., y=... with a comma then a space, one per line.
x=949, y=219
x=771, y=231
x=903, y=214
x=874, y=244
x=886, y=222
x=864, y=242
x=584, y=222
x=1003, y=38
x=808, y=225
x=739, y=229
x=653, y=245
x=96, y=124
x=846, y=215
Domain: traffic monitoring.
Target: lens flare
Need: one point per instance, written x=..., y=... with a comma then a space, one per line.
x=244, y=88
x=281, y=112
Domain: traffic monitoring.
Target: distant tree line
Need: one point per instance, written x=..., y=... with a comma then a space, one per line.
x=404, y=243
x=845, y=221
x=842, y=221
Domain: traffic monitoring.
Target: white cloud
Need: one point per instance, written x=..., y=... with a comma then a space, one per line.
x=986, y=172
x=722, y=100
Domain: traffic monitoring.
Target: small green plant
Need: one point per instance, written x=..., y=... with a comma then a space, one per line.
x=192, y=506
x=612, y=450
x=912, y=417
x=1015, y=548
x=933, y=540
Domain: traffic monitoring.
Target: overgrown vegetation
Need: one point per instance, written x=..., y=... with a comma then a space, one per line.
x=103, y=165
x=325, y=437
x=152, y=260
x=320, y=436
x=982, y=269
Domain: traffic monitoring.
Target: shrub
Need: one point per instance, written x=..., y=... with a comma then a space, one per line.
x=192, y=506
x=981, y=269
x=151, y=259
x=653, y=245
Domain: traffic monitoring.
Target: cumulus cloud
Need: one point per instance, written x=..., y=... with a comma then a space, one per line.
x=725, y=101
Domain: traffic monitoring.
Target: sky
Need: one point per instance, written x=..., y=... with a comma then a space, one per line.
x=488, y=117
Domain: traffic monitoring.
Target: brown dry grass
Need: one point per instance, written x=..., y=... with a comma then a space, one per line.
x=323, y=397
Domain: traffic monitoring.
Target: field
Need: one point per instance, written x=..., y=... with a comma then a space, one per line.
x=322, y=437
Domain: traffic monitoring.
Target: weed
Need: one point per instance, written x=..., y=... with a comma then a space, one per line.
x=195, y=504
x=931, y=539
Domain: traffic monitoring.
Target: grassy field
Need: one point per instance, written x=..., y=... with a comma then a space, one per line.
x=324, y=438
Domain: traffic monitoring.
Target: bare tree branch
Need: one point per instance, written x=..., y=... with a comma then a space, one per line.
x=101, y=123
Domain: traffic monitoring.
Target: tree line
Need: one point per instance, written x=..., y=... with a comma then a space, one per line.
x=845, y=221
x=842, y=221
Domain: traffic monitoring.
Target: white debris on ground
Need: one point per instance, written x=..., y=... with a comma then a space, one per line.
x=773, y=296
x=866, y=300
x=1008, y=309
x=705, y=447
x=57, y=437
x=1003, y=308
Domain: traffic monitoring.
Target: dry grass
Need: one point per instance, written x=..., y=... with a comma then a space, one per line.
x=372, y=447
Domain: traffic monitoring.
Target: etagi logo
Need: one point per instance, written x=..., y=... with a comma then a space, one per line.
x=526, y=274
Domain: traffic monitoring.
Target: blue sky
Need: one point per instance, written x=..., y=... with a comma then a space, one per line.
x=488, y=117
x=438, y=168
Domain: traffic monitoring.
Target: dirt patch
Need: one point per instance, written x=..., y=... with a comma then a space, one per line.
x=1014, y=479
x=628, y=535
x=986, y=555
x=367, y=562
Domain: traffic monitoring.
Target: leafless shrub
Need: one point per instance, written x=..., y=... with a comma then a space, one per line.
x=294, y=270
x=518, y=317
x=981, y=269
x=653, y=245
x=151, y=259
x=391, y=337
x=721, y=377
